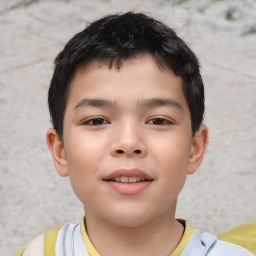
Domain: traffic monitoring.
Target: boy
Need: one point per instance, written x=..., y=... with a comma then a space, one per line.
x=127, y=102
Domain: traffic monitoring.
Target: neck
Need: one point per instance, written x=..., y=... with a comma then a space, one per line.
x=158, y=237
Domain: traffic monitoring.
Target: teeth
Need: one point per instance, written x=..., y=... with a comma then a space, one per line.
x=132, y=179
x=140, y=179
x=124, y=179
x=118, y=179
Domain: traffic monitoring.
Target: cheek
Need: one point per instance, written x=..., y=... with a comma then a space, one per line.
x=172, y=151
x=83, y=155
x=172, y=156
x=83, y=151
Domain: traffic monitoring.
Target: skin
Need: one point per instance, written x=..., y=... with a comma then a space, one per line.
x=130, y=131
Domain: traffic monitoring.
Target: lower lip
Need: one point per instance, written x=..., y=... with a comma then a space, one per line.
x=129, y=188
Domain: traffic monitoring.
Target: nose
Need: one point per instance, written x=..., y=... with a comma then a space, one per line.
x=129, y=142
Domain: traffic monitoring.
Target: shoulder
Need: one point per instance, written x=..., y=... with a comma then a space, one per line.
x=228, y=249
x=44, y=244
x=203, y=243
x=243, y=235
x=35, y=246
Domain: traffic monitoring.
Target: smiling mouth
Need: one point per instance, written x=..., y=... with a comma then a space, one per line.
x=128, y=185
x=126, y=179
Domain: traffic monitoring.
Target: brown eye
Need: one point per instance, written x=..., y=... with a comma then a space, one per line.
x=159, y=121
x=96, y=121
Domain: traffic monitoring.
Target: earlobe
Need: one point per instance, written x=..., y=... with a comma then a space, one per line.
x=57, y=151
x=198, y=148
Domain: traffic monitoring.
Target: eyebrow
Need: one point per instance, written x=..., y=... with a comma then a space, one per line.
x=94, y=103
x=145, y=103
x=157, y=102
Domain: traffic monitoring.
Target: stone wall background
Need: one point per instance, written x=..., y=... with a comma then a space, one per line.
x=223, y=35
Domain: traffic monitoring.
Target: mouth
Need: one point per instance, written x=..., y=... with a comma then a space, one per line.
x=128, y=175
x=128, y=181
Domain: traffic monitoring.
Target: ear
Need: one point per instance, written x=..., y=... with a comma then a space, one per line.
x=56, y=148
x=198, y=148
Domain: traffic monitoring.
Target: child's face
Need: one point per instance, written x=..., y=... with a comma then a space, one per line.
x=131, y=122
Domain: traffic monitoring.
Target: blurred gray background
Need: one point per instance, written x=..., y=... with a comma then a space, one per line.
x=222, y=34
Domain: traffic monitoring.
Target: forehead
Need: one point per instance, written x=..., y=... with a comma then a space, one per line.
x=137, y=77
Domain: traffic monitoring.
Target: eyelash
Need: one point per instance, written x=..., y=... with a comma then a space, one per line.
x=97, y=121
x=162, y=121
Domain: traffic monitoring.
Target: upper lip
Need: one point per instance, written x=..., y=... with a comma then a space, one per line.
x=127, y=173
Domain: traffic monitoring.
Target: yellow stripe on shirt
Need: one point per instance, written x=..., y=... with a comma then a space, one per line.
x=244, y=235
x=186, y=236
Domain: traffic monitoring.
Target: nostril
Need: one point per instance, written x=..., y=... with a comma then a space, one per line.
x=137, y=151
x=119, y=151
